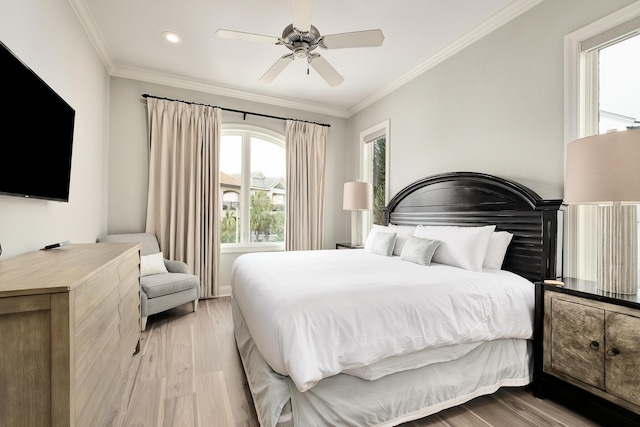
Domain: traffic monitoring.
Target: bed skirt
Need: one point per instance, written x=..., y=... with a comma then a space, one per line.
x=388, y=401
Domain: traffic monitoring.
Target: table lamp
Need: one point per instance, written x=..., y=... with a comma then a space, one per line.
x=357, y=197
x=605, y=170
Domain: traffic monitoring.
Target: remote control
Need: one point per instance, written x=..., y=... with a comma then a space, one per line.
x=56, y=245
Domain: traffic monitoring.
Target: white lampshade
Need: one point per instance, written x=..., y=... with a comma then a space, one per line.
x=603, y=168
x=357, y=196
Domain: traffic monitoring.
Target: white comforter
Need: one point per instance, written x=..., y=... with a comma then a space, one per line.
x=314, y=314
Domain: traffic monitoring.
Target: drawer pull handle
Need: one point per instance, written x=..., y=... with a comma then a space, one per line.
x=594, y=345
x=613, y=352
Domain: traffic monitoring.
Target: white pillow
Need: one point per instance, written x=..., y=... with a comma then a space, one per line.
x=152, y=264
x=497, y=249
x=383, y=243
x=372, y=233
x=419, y=250
x=463, y=247
x=402, y=234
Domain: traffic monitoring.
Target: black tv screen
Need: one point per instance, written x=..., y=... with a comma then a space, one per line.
x=37, y=135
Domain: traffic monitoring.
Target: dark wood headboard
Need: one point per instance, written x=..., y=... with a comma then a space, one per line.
x=475, y=199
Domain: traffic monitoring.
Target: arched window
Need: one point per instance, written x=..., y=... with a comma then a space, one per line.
x=253, y=187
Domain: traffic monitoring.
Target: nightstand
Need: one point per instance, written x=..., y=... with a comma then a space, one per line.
x=347, y=246
x=587, y=350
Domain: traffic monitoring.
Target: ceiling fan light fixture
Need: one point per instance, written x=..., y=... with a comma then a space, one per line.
x=300, y=49
x=172, y=37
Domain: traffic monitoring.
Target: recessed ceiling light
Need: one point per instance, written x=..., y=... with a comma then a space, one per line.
x=172, y=37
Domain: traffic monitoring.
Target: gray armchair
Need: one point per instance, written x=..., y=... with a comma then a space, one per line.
x=163, y=291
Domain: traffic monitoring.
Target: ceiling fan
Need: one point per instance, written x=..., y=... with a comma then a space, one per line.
x=302, y=38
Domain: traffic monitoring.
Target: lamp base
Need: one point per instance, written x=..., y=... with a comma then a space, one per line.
x=618, y=249
x=356, y=228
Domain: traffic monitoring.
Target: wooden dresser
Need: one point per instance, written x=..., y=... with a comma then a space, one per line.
x=69, y=324
x=587, y=350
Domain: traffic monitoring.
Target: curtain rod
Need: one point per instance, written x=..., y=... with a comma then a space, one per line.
x=145, y=95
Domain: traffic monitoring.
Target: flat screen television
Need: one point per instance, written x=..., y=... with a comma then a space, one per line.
x=37, y=135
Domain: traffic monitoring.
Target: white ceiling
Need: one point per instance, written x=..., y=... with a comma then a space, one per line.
x=418, y=34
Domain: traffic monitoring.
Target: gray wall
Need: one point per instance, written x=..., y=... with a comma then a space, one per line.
x=47, y=36
x=128, y=157
x=495, y=107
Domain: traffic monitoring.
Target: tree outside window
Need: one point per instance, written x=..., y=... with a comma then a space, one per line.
x=375, y=170
x=379, y=180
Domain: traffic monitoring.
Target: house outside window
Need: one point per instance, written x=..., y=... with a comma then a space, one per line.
x=252, y=188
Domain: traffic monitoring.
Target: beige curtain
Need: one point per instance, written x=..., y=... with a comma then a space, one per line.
x=306, y=148
x=183, y=203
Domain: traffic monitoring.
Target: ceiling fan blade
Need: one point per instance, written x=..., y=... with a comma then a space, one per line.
x=239, y=35
x=326, y=71
x=369, y=38
x=301, y=11
x=276, y=69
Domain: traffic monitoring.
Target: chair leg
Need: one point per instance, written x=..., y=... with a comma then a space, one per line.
x=143, y=323
x=195, y=305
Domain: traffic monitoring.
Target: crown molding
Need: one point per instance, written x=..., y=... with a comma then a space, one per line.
x=494, y=22
x=500, y=18
x=181, y=82
x=90, y=27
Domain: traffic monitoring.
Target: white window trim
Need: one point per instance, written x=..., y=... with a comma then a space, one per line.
x=366, y=136
x=578, y=121
x=267, y=135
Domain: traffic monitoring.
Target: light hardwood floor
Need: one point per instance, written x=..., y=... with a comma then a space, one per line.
x=188, y=373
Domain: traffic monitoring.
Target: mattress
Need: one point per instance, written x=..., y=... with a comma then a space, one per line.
x=315, y=314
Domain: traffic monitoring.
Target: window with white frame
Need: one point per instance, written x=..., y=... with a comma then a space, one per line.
x=252, y=187
x=374, y=148
x=592, y=54
x=601, y=94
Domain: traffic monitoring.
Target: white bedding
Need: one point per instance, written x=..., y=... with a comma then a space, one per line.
x=345, y=400
x=314, y=314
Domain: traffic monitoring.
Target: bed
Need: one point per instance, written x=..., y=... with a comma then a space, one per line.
x=427, y=317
